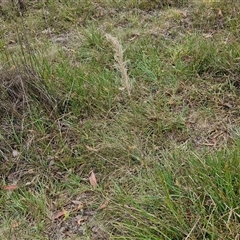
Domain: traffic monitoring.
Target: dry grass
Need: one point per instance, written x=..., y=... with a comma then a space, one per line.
x=120, y=63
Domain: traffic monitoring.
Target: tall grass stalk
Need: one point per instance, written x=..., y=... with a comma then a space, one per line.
x=120, y=64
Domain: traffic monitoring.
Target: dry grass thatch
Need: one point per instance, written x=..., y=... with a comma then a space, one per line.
x=22, y=94
x=19, y=89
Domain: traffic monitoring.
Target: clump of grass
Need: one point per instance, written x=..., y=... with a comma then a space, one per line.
x=200, y=55
x=120, y=63
x=179, y=196
x=209, y=16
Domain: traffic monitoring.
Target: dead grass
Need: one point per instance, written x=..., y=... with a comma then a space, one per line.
x=121, y=64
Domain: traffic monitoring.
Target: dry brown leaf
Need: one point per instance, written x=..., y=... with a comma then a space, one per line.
x=60, y=214
x=10, y=187
x=80, y=207
x=92, y=179
x=104, y=205
x=80, y=220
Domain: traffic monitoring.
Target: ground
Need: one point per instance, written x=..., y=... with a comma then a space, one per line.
x=119, y=119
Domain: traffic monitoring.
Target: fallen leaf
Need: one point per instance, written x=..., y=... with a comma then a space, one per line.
x=80, y=220
x=80, y=207
x=92, y=179
x=60, y=214
x=10, y=187
x=104, y=205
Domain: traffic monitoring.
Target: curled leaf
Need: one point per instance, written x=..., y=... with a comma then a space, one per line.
x=80, y=221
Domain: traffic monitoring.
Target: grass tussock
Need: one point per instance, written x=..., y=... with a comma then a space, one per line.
x=185, y=200
x=165, y=155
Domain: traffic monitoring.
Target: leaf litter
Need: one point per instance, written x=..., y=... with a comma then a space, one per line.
x=93, y=180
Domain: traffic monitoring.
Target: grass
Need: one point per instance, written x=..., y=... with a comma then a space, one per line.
x=143, y=94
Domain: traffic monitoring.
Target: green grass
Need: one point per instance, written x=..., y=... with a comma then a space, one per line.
x=158, y=125
x=165, y=203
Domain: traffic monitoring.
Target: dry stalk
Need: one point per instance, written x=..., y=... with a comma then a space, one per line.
x=120, y=64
